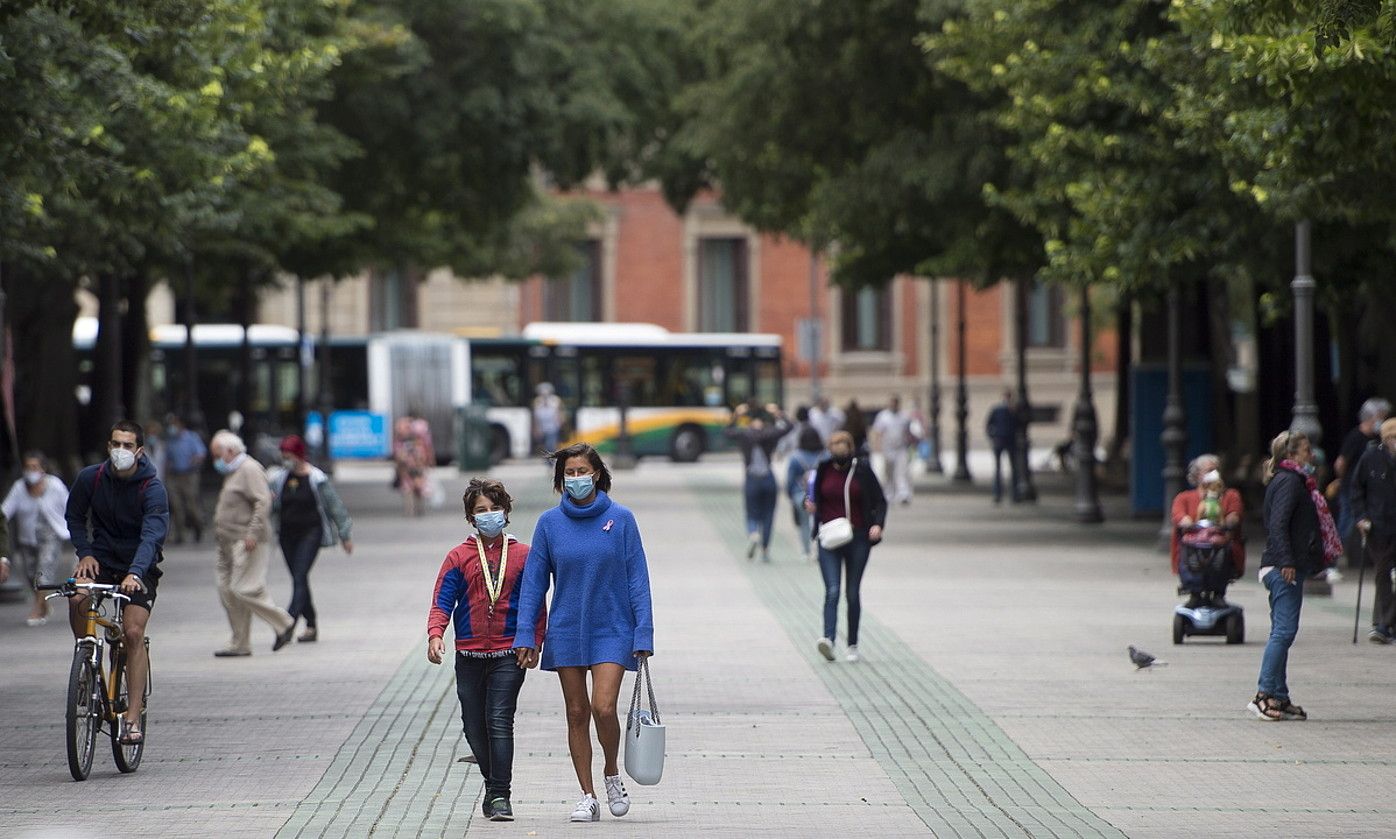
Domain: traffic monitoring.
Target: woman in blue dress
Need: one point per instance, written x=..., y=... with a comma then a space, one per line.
x=588, y=549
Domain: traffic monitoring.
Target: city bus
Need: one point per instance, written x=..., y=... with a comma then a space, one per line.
x=678, y=387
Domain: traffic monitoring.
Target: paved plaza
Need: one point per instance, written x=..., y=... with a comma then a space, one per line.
x=995, y=697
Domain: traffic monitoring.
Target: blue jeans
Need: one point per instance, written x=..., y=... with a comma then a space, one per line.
x=1285, y=601
x=853, y=560
x=488, y=689
x=761, y=493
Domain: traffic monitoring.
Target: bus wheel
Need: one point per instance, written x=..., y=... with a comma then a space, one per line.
x=688, y=444
x=499, y=444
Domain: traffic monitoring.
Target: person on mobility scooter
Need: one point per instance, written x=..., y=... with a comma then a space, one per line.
x=1208, y=553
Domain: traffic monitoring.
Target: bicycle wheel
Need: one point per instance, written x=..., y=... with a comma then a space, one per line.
x=84, y=705
x=128, y=756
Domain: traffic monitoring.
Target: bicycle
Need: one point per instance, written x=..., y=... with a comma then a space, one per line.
x=97, y=696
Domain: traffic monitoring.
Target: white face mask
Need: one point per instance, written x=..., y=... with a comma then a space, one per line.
x=122, y=459
x=33, y=476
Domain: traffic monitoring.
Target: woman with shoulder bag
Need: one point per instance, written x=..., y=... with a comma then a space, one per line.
x=588, y=550
x=309, y=516
x=1300, y=541
x=849, y=510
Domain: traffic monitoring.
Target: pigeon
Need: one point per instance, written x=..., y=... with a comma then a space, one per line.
x=1142, y=659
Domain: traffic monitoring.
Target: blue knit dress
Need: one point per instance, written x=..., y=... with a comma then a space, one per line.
x=600, y=611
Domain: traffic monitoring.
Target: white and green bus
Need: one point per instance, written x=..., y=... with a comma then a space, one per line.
x=679, y=387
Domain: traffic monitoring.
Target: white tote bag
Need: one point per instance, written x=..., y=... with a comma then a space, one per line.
x=644, y=734
x=835, y=533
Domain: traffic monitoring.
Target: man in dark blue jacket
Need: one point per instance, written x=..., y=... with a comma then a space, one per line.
x=118, y=515
x=1373, y=501
x=1001, y=426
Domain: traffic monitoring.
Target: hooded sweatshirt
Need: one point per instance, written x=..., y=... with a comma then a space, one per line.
x=120, y=521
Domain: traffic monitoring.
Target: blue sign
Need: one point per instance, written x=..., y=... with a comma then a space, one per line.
x=359, y=434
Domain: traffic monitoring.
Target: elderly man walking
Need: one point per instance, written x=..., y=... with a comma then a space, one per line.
x=240, y=525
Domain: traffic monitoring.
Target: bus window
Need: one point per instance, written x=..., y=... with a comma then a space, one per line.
x=692, y=380
x=593, y=382
x=497, y=380
x=768, y=388
x=740, y=386
x=565, y=381
x=639, y=375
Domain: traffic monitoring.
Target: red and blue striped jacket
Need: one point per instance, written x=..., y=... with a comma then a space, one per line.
x=462, y=598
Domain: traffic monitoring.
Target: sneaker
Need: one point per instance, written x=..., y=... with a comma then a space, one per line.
x=616, y=796
x=753, y=542
x=1379, y=635
x=826, y=648
x=499, y=809
x=587, y=810
x=852, y=654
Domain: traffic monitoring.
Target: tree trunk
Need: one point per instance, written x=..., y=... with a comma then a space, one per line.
x=107, y=403
x=41, y=314
x=135, y=352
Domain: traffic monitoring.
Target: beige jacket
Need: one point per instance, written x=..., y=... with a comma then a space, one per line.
x=243, y=503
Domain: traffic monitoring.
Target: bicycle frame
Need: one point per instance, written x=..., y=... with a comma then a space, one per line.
x=100, y=631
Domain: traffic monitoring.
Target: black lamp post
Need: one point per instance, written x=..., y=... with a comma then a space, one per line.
x=961, y=396
x=1084, y=424
x=1175, y=435
x=934, y=465
x=1305, y=417
x=1023, y=488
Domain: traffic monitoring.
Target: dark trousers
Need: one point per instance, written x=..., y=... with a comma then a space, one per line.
x=1382, y=550
x=761, y=493
x=999, y=452
x=300, y=549
x=851, y=560
x=488, y=689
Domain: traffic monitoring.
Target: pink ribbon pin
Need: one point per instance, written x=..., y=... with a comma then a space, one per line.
x=607, y=528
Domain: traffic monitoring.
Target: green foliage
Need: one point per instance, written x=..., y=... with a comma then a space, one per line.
x=824, y=122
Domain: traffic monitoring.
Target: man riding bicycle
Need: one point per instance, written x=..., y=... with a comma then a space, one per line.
x=118, y=515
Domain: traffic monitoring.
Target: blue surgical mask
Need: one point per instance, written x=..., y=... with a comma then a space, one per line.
x=490, y=524
x=579, y=487
x=222, y=466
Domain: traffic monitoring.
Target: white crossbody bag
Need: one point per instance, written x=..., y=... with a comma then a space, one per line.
x=835, y=533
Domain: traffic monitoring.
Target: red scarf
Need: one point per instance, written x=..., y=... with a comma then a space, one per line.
x=1332, y=544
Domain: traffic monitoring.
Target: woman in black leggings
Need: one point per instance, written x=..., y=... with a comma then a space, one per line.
x=309, y=517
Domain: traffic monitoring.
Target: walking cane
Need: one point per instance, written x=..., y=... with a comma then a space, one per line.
x=1361, y=570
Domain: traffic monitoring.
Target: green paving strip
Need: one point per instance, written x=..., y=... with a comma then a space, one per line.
x=960, y=773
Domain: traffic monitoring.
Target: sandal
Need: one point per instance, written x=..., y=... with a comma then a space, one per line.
x=131, y=735
x=1266, y=707
x=1292, y=711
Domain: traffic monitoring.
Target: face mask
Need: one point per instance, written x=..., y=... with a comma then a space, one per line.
x=579, y=487
x=122, y=459
x=490, y=524
x=843, y=459
x=288, y=462
x=34, y=477
x=222, y=467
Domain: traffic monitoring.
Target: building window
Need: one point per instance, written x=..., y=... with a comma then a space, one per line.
x=1046, y=318
x=867, y=319
x=392, y=297
x=722, y=285
x=577, y=297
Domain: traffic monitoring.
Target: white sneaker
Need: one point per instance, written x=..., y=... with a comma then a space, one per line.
x=616, y=796
x=826, y=648
x=587, y=810
x=852, y=654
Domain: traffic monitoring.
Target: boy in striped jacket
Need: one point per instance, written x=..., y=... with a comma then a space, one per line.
x=477, y=589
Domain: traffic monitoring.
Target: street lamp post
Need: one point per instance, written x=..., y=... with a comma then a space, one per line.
x=326, y=395
x=1023, y=485
x=1305, y=409
x=961, y=396
x=934, y=465
x=1084, y=423
x=1175, y=434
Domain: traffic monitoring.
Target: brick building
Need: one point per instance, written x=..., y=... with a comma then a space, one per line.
x=707, y=271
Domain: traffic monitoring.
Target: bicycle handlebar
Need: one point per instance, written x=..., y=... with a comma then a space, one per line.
x=71, y=587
